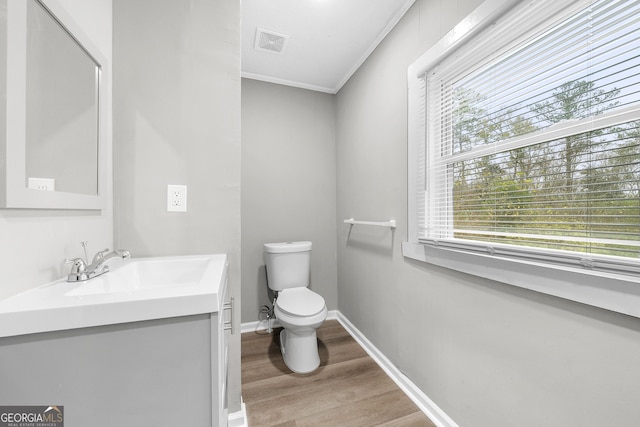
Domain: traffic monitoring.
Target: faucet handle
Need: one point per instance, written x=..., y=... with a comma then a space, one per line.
x=79, y=266
x=78, y=270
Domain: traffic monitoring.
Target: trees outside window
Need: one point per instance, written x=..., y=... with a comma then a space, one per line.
x=529, y=148
x=583, y=185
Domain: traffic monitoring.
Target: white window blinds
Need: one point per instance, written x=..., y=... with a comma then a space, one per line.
x=534, y=150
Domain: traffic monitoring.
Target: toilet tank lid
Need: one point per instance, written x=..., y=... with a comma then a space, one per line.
x=284, y=247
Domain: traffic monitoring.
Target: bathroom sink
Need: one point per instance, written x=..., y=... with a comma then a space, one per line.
x=147, y=275
x=136, y=289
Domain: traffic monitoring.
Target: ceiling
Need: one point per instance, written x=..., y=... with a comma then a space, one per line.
x=323, y=41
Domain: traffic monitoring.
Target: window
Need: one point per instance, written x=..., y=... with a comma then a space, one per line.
x=525, y=138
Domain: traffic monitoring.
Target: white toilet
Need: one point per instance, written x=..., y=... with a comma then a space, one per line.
x=299, y=310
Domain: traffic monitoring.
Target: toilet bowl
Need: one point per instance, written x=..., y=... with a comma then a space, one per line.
x=299, y=310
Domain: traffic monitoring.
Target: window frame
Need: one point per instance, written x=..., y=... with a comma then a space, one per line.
x=603, y=289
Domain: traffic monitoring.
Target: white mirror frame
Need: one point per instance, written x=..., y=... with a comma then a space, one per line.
x=15, y=194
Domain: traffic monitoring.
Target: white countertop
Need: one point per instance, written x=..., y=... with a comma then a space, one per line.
x=134, y=290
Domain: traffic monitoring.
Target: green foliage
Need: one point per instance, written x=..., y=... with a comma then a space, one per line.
x=585, y=185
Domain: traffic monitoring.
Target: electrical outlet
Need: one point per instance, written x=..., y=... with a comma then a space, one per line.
x=176, y=198
x=45, y=184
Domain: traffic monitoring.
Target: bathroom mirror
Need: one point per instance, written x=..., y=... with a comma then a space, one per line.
x=53, y=156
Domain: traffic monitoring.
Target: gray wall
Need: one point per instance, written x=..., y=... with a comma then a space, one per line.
x=288, y=184
x=488, y=354
x=34, y=242
x=177, y=121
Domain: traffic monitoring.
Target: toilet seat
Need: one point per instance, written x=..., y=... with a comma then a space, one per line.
x=300, y=302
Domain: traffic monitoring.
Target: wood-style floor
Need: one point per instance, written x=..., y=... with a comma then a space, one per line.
x=348, y=389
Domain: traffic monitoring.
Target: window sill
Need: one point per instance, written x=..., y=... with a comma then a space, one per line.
x=618, y=293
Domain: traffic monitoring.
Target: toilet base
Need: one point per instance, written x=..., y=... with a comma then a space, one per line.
x=300, y=350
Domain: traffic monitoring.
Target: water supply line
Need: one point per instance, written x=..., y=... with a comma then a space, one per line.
x=267, y=312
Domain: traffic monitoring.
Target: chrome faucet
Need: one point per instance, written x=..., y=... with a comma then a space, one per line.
x=80, y=271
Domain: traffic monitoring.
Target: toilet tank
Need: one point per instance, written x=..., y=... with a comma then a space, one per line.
x=288, y=264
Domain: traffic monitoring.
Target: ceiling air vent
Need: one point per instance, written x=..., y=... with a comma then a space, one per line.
x=271, y=41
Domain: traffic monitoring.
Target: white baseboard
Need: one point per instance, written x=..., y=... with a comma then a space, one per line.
x=426, y=405
x=255, y=326
x=238, y=419
x=263, y=325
